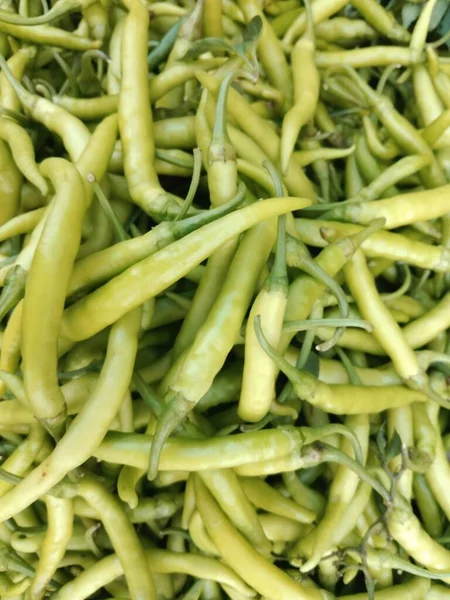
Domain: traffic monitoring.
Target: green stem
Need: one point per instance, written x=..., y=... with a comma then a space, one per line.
x=331, y=454
x=193, y=186
x=311, y=268
x=91, y=368
x=10, y=477
x=182, y=228
x=401, y=291
x=13, y=290
x=121, y=234
x=178, y=160
x=304, y=325
x=353, y=376
x=305, y=351
x=15, y=384
x=279, y=270
x=313, y=434
x=148, y=395
x=220, y=143
x=309, y=32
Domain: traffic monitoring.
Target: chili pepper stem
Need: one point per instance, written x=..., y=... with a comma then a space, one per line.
x=177, y=409
x=13, y=290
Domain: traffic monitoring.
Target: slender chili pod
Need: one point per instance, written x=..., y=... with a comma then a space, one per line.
x=202, y=361
x=401, y=210
x=340, y=399
x=10, y=184
x=135, y=118
x=104, y=264
x=306, y=91
x=17, y=65
x=42, y=313
x=270, y=52
x=342, y=490
x=386, y=244
x=122, y=534
x=90, y=425
x=222, y=173
x=231, y=496
x=22, y=152
x=74, y=133
x=320, y=11
x=259, y=130
x=52, y=36
x=184, y=454
x=59, y=531
x=128, y=290
x=381, y=19
x=239, y=554
x=386, y=330
x=401, y=130
x=259, y=377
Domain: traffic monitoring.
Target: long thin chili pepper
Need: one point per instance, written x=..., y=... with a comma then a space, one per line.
x=259, y=573
x=59, y=532
x=50, y=262
x=73, y=449
x=126, y=291
x=306, y=91
x=259, y=377
x=202, y=362
x=135, y=118
x=386, y=330
x=340, y=399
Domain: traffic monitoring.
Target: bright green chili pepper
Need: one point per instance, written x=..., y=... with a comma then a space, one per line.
x=10, y=184
x=53, y=259
x=59, y=532
x=240, y=555
x=270, y=51
x=306, y=92
x=259, y=377
x=104, y=264
x=121, y=533
x=400, y=129
x=321, y=11
x=135, y=117
x=381, y=19
x=340, y=399
x=76, y=445
x=386, y=244
x=193, y=248
x=200, y=364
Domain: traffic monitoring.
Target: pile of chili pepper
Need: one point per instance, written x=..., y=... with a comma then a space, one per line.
x=225, y=300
